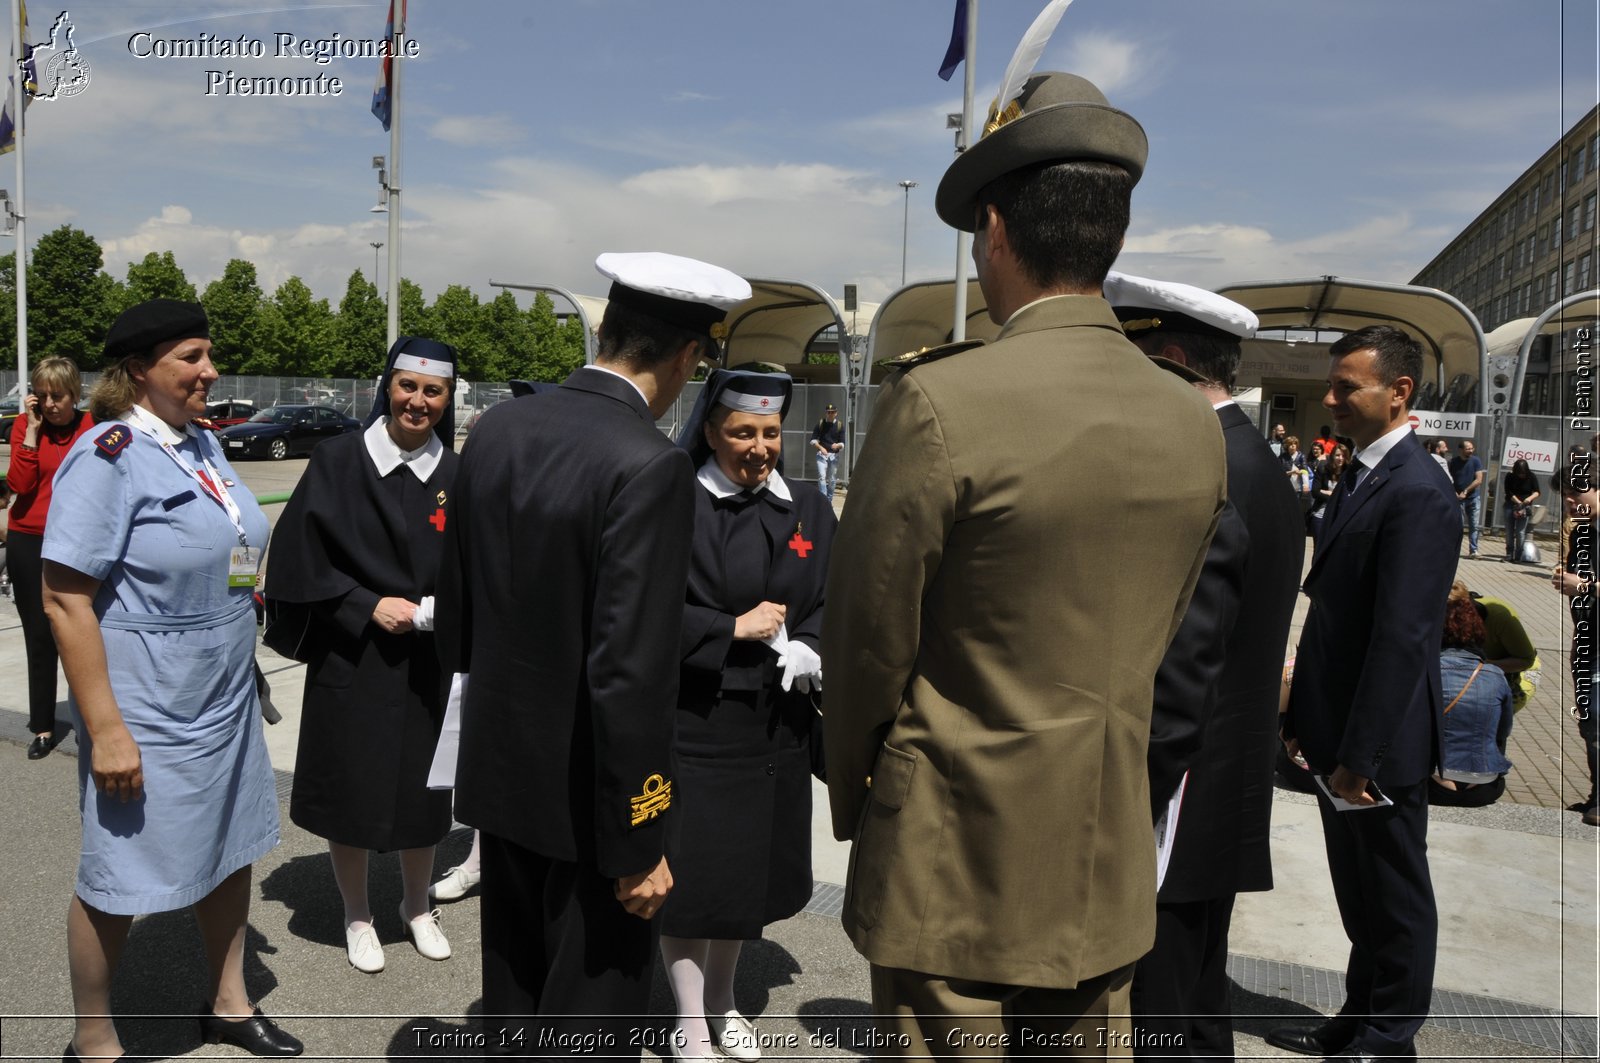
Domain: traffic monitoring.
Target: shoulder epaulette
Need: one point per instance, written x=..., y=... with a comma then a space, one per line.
x=912, y=359
x=111, y=441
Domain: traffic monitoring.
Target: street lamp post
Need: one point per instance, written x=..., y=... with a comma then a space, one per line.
x=377, y=245
x=905, y=229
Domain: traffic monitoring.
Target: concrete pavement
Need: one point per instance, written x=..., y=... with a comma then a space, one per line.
x=1517, y=886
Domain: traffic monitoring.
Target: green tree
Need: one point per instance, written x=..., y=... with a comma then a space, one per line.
x=416, y=319
x=359, y=330
x=555, y=355
x=455, y=321
x=71, y=300
x=8, y=311
x=506, y=338
x=158, y=276
x=233, y=302
x=297, y=334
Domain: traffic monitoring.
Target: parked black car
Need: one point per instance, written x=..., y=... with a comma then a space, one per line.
x=278, y=431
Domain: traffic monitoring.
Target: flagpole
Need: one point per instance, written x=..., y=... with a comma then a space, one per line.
x=958, y=331
x=394, y=178
x=19, y=91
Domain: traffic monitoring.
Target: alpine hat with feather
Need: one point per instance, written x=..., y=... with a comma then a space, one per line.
x=1055, y=118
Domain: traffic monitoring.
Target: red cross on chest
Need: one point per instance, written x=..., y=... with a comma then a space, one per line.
x=799, y=545
x=437, y=520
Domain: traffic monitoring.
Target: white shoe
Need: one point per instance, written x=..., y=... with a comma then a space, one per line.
x=363, y=950
x=425, y=934
x=678, y=1042
x=455, y=884
x=736, y=1036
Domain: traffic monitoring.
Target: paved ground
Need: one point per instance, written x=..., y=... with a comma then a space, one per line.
x=1518, y=952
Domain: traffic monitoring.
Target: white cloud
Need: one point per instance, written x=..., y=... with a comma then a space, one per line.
x=1116, y=66
x=708, y=186
x=480, y=130
x=533, y=221
x=1390, y=247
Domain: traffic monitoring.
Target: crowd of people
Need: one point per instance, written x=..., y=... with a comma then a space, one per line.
x=1049, y=728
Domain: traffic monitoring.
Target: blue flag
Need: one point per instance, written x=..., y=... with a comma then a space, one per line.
x=381, y=91
x=957, y=52
x=30, y=84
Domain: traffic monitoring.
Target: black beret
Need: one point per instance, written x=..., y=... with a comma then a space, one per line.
x=139, y=328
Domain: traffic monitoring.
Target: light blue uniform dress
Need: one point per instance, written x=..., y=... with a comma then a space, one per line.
x=180, y=646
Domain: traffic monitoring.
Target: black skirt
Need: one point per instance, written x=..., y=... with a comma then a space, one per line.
x=739, y=839
x=368, y=728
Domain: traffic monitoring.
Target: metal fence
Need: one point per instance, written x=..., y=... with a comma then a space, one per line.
x=1558, y=432
x=354, y=397
x=805, y=410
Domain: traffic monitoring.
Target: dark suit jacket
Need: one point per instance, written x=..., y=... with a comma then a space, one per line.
x=561, y=592
x=1222, y=845
x=1366, y=677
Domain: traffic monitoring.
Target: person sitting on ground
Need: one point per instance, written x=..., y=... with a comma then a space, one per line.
x=1477, y=713
x=1507, y=646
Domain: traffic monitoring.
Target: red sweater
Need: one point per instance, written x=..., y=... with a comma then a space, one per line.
x=33, y=472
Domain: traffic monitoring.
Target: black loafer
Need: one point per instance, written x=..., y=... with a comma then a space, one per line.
x=1329, y=1039
x=258, y=1035
x=41, y=747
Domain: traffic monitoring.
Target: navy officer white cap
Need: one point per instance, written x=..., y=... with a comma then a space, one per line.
x=1146, y=305
x=682, y=291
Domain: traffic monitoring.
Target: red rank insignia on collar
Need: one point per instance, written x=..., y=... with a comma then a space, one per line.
x=113, y=439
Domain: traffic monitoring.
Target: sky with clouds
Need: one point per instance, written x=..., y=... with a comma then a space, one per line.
x=1288, y=138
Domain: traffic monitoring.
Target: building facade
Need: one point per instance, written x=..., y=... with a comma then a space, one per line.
x=1536, y=244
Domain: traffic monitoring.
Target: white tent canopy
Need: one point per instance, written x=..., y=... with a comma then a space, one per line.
x=777, y=324
x=1451, y=338
x=921, y=315
x=1575, y=311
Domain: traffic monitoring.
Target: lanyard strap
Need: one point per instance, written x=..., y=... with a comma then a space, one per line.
x=211, y=481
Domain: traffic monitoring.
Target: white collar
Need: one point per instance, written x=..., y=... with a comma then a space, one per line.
x=163, y=431
x=713, y=479
x=619, y=376
x=1374, y=452
x=387, y=455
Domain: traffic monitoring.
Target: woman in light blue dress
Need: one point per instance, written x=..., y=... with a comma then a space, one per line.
x=150, y=561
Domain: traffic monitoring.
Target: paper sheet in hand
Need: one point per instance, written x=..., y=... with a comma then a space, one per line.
x=442, y=774
x=1341, y=805
x=1167, y=830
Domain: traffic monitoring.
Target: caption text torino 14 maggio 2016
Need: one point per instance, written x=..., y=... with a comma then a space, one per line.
x=823, y=1040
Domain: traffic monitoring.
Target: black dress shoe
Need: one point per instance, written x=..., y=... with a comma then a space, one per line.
x=1329, y=1039
x=258, y=1035
x=41, y=747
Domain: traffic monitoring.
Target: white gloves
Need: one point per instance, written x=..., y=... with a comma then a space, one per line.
x=422, y=619
x=802, y=667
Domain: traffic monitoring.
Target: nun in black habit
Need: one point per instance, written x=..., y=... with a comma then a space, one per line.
x=739, y=842
x=355, y=556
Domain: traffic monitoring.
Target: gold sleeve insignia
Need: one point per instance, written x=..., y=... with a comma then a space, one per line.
x=656, y=799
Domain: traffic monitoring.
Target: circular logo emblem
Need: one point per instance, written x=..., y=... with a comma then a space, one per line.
x=766, y=402
x=67, y=74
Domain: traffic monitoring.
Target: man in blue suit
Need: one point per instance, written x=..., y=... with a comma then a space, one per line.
x=1365, y=705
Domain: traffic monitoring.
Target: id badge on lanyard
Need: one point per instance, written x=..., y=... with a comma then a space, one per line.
x=243, y=564
x=244, y=560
